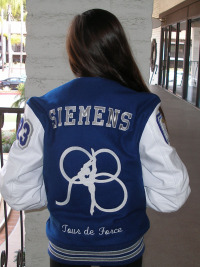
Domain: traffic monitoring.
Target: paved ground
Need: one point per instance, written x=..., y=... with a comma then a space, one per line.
x=14, y=242
x=174, y=239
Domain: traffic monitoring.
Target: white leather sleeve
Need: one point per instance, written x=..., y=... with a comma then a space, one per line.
x=21, y=178
x=165, y=177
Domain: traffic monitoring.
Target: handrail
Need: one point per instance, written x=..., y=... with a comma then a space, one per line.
x=4, y=253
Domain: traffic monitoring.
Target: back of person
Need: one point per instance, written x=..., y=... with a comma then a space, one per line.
x=93, y=174
x=96, y=151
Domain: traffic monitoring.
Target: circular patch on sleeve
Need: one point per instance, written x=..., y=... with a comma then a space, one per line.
x=24, y=133
x=162, y=126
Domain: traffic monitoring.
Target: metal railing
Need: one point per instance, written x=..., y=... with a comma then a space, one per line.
x=4, y=253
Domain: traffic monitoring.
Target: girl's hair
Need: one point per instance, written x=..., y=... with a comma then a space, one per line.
x=97, y=47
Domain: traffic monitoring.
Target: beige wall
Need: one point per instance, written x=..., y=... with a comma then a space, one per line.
x=47, y=67
x=167, y=4
x=160, y=6
x=156, y=8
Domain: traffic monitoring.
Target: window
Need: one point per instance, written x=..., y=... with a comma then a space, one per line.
x=172, y=67
x=180, y=65
x=165, y=58
x=193, y=61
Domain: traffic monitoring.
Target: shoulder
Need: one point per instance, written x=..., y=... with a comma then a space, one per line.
x=146, y=103
x=43, y=102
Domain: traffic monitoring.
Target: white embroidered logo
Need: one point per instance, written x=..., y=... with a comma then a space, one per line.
x=88, y=176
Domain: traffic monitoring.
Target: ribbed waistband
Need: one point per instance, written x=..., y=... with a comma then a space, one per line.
x=90, y=257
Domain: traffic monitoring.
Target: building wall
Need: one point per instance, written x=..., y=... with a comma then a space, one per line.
x=167, y=4
x=156, y=8
x=160, y=6
x=47, y=67
x=47, y=24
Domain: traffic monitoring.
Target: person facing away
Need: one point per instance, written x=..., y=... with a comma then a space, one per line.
x=96, y=151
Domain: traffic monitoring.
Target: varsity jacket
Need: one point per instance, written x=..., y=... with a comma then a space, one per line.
x=96, y=153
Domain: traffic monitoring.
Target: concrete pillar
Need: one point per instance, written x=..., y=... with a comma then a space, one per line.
x=47, y=67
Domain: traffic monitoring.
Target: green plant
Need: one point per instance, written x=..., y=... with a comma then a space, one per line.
x=15, y=8
x=6, y=148
x=18, y=256
x=16, y=39
x=22, y=100
x=8, y=137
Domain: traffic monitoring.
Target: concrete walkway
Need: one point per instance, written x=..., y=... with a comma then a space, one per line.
x=174, y=239
x=14, y=242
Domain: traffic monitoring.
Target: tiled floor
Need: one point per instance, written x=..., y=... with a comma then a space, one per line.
x=174, y=239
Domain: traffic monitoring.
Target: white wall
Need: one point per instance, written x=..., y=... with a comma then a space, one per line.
x=47, y=23
x=47, y=67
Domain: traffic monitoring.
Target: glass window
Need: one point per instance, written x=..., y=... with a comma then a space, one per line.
x=181, y=52
x=164, y=59
x=193, y=61
x=172, y=57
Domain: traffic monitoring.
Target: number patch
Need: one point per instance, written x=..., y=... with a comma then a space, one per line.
x=24, y=133
x=162, y=126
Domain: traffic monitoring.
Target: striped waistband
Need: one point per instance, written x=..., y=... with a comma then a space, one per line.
x=65, y=255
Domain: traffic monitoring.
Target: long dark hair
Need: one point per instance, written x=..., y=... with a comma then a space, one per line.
x=97, y=47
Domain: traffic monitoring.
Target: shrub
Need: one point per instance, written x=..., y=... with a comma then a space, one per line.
x=6, y=148
x=22, y=100
x=8, y=137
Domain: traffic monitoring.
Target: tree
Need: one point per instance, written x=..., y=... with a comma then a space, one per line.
x=22, y=100
x=15, y=8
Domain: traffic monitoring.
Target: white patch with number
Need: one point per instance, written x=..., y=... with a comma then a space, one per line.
x=24, y=133
x=162, y=126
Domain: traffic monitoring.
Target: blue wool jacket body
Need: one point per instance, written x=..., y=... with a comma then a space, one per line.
x=92, y=170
